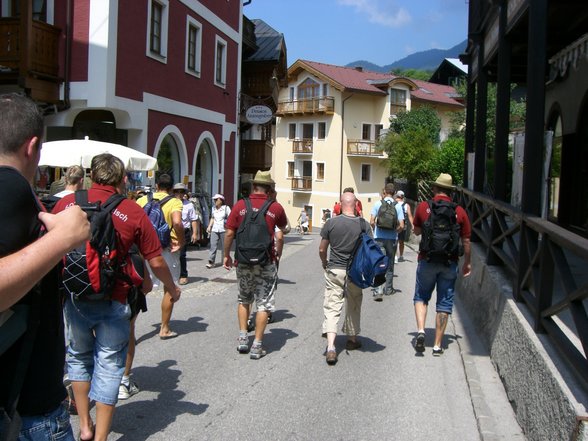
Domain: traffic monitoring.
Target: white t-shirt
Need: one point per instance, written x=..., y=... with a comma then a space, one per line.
x=219, y=217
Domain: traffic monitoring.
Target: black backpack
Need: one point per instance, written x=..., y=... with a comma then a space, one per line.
x=440, y=233
x=90, y=271
x=387, y=218
x=253, y=240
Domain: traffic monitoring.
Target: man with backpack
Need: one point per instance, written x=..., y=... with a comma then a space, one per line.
x=252, y=224
x=165, y=212
x=441, y=223
x=32, y=243
x=98, y=318
x=387, y=218
x=341, y=234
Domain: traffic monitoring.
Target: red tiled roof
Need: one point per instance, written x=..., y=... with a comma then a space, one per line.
x=363, y=81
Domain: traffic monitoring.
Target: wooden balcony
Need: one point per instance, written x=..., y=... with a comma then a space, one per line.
x=30, y=63
x=358, y=147
x=256, y=154
x=303, y=184
x=304, y=146
x=309, y=106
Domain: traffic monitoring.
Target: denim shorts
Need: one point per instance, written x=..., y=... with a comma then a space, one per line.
x=52, y=426
x=98, y=340
x=257, y=282
x=428, y=276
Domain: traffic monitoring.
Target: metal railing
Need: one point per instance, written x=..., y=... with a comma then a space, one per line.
x=303, y=183
x=322, y=104
x=546, y=264
x=362, y=147
x=302, y=146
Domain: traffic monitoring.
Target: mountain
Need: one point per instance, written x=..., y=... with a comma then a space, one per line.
x=423, y=60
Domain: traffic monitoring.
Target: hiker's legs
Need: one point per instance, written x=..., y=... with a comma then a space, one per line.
x=426, y=278
x=333, y=303
x=445, y=292
x=264, y=296
x=352, y=324
x=167, y=306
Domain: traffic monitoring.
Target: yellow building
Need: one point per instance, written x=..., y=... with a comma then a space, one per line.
x=328, y=120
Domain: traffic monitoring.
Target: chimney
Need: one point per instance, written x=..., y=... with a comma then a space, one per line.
x=359, y=68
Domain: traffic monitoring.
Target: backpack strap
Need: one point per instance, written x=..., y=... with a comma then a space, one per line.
x=165, y=200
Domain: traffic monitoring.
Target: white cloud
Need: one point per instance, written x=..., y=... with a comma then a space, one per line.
x=389, y=16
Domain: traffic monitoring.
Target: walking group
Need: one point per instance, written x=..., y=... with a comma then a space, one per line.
x=76, y=268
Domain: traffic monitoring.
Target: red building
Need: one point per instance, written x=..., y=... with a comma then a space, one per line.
x=161, y=76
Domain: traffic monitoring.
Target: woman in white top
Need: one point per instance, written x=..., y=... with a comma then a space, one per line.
x=216, y=227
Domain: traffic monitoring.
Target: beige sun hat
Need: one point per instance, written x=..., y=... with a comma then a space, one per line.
x=263, y=178
x=444, y=180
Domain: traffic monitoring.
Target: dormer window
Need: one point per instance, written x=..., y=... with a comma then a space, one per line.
x=308, y=89
x=397, y=101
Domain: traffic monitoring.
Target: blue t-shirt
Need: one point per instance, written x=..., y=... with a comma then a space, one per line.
x=382, y=233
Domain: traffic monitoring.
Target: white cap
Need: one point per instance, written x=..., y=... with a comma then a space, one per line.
x=400, y=193
x=218, y=196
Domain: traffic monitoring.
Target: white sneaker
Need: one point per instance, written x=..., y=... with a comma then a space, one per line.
x=395, y=259
x=125, y=392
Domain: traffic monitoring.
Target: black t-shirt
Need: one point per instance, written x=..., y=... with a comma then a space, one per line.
x=42, y=390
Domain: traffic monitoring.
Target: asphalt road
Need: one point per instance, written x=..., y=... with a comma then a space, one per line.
x=198, y=387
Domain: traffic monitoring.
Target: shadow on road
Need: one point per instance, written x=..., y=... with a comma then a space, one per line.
x=182, y=327
x=137, y=420
x=276, y=338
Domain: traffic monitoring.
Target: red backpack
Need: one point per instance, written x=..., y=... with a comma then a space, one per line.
x=90, y=271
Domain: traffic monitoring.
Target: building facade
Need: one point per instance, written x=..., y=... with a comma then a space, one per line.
x=160, y=76
x=329, y=120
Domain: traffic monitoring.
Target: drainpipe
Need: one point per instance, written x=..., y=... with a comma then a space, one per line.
x=342, y=143
x=67, y=58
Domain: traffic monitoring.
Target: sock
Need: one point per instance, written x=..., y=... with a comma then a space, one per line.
x=436, y=348
x=421, y=331
x=256, y=343
x=242, y=333
x=330, y=348
x=126, y=380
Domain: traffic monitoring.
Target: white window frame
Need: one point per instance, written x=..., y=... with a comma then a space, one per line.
x=223, y=81
x=293, y=169
x=162, y=56
x=369, y=166
x=316, y=171
x=318, y=124
x=191, y=22
x=295, y=131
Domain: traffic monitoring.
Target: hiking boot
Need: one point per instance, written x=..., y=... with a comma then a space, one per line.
x=243, y=345
x=419, y=345
x=378, y=297
x=400, y=258
x=352, y=345
x=210, y=264
x=257, y=352
x=437, y=351
x=331, y=357
x=125, y=392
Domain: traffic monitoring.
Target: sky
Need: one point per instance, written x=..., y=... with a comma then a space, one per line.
x=379, y=31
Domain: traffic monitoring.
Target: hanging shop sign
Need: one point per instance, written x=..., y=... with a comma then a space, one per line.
x=259, y=114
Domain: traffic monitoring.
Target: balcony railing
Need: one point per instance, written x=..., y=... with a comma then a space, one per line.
x=358, y=147
x=256, y=154
x=42, y=50
x=302, y=146
x=323, y=104
x=303, y=183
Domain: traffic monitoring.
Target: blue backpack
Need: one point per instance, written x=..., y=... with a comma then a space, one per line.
x=157, y=218
x=368, y=265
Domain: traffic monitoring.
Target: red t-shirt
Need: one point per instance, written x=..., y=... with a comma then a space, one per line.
x=275, y=215
x=133, y=227
x=423, y=212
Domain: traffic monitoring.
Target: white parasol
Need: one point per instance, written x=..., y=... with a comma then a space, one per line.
x=81, y=151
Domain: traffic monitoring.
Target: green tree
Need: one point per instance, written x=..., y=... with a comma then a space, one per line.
x=414, y=74
x=410, y=154
x=419, y=119
x=449, y=159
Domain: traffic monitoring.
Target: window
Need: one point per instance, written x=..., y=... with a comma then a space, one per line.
x=157, y=16
x=308, y=89
x=292, y=94
x=366, y=132
x=322, y=130
x=291, y=131
x=193, y=47
x=290, y=169
x=320, y=171
x=378, y=130
x=220, y=62
x=397, y=101
x=325, y=89
x=366, y=172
